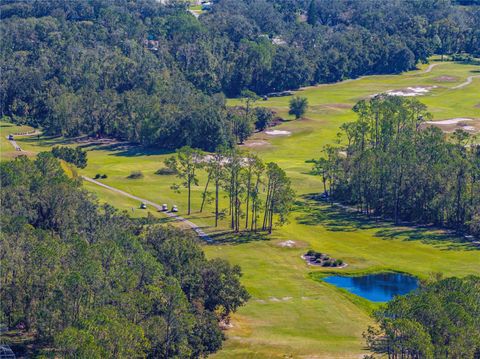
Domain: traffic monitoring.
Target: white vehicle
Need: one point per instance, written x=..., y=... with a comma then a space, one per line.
x=164, y=207
x=174, y=209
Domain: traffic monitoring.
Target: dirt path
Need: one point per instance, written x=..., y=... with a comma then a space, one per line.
x=466, y=83
x=428, y=69
x=192, y=225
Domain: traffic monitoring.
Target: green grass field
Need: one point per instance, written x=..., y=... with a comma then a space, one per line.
x=290, y=313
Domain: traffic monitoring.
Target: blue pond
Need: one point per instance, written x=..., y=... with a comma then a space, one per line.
x=376, y=287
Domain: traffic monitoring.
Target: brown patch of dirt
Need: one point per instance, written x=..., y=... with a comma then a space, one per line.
x=445, y=78
x=477, y=105
x=255, y=143
x=339, y=106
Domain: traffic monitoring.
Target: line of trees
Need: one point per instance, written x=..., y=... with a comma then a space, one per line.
x=250, y=186
x=89, y=282
x=439, y=320
x=394, y=165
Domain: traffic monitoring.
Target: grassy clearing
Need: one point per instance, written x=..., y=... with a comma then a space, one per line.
x=290, y=314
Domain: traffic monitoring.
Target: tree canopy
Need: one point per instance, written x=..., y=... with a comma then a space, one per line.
x=89, y=281
x=152, y=73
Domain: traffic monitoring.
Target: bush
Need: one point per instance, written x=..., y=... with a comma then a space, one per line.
x=135, y=175
x=165, y=171
x=104, y=176
x=318, y=255
x=338, y=262
x=97, y=176
x=327, y=264
x=311, y=253
x=76, y=156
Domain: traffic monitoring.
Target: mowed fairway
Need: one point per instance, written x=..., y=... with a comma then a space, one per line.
x=291, y=314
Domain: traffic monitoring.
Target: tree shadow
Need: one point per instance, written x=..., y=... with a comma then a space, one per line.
x=242, y=237
x=337, y=219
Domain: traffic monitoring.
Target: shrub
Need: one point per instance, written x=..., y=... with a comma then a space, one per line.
x=104, y=176
x=97, y=176
x=135, y=175
x=165, y=171
x=311, y=252
x=338, y=262
x=76, y=156
x=318, y=255
x=326, y=264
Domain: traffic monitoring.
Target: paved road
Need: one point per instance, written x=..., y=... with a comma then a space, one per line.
x=157, y=206
x=15, y=144
x=467, y=82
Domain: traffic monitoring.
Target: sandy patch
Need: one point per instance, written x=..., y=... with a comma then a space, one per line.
x=452, y=121
x=278, y=133
x=411, y=91
x=445, y=78
x=287, y=244
x=256, y=143
x=452, y=124
x=274, y=299
x=477, y=105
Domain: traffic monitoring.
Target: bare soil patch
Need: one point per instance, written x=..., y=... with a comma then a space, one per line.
x=445, y=78
x=255, y=143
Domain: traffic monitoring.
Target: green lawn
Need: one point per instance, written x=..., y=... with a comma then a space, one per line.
x=290, y=314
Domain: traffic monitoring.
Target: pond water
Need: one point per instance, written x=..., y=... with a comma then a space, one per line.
x=375, y=287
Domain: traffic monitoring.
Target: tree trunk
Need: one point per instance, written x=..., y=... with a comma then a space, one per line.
x=204, y=193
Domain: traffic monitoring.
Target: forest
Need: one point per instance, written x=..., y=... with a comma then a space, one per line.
x=156, y=75
x=90, y=282
x=393, y=165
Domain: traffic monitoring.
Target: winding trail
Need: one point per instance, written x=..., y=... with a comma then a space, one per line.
x=466, y=83
x=192, y=225
x=428, y=69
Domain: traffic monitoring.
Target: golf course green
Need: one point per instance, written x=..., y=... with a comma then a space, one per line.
x=292, y=313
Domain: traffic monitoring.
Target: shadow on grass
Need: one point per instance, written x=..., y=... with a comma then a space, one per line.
x=336, y=219
x=230, y=237
x=124, y=149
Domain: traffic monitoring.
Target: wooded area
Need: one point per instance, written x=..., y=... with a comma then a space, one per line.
x=154, y=74
x=91, y=282
x=392, y=164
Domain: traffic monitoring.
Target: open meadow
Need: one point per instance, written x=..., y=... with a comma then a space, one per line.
x=291, y=312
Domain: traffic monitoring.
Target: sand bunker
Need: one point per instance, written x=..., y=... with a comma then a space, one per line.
x=469, y=128
x=288, y=244
x=411, y=91
x=278, y=133
x=452, y=121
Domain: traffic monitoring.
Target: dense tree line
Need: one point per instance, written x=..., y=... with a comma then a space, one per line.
x=439, y=320
x=394, y=165
x=154, y=74
x=92, y=283
x=251, y=186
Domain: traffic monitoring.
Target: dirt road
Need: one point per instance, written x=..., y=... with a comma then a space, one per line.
x=466, y=83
